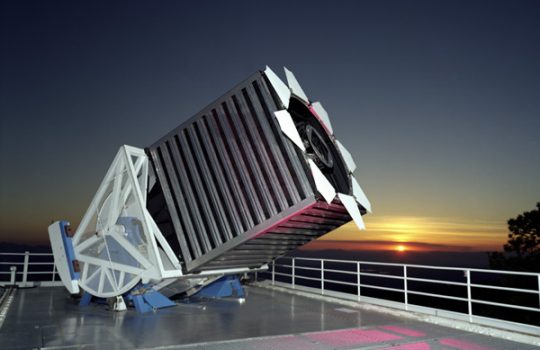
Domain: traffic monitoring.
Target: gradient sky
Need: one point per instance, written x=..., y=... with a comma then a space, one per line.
x=438, y=101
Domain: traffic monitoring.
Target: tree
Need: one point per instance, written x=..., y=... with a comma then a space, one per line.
x=522, y=250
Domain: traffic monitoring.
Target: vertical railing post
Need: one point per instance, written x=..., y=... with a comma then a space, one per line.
x=405, y=287
x=539, y=290
x=358, y=279
x=54, y=273
x=273, y=272
x=13, y=276
x=322, y=276
x=469, y=298
x=293, y=271
x=25, y=268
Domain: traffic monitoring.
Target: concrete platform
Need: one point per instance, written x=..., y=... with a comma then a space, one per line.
x=267, y=319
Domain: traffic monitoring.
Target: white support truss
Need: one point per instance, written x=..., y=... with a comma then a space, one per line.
x=117, y=241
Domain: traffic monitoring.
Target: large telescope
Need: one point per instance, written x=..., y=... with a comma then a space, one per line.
x=254, y=175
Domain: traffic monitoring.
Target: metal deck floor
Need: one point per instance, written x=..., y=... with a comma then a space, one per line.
x=49, y=318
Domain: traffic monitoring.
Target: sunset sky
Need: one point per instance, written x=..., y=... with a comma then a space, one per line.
x=409, y=233
x=438, y=101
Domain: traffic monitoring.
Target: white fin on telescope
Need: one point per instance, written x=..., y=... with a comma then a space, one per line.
x=324, y=186
x=321, y=112
x=352, y=208
x=295, y=85
x=287, y=126
x=360, y=195
x=279, y=86
x=347, y=157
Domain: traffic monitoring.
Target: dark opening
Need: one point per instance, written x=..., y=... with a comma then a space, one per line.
x=319, y=146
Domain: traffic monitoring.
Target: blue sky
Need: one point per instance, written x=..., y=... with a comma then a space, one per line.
x=439, y=102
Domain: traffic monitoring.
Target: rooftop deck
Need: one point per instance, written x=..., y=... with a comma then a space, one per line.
x=267, y=319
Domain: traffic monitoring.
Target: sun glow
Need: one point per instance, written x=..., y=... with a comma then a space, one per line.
x=423, y=233
x=401, y=248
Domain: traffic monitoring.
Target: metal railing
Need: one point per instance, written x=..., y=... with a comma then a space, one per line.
x=503, y=299
x=28, y=269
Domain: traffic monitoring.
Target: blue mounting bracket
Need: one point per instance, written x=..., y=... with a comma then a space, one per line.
x=66, y=264
x=70, y=252
x=226, y=286
x=143, y=297
x=146, y=299
x=87, y=298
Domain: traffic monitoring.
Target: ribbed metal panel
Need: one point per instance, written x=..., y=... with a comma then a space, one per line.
x=226, y=175
x=306, y=225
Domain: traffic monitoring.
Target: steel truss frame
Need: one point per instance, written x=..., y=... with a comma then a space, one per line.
x=122, y=194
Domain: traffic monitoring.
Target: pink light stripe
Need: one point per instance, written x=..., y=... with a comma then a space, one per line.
x=412, y=346
x=320, y=120
x=352, y=337
x=405, y=331
x=462, y=345
x=286, y=218
x=282, y=343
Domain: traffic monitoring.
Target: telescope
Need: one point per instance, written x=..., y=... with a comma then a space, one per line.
x=251, y=177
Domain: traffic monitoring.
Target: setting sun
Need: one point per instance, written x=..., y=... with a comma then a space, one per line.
x=401, y=248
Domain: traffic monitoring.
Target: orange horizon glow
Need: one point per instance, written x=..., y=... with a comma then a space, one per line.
x=390, y=246
x=401, y=248
x=402, y=233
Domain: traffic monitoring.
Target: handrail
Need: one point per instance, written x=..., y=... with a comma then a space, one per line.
x=36, y=269
x=295, y=269
x=357, y=278
x=33, y=254
x=449, y=268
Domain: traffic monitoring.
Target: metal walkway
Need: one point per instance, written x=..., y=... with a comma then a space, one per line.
x=267, y=319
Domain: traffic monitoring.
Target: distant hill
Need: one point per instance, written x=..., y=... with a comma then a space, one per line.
x=6, y=247
x=437, y=258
